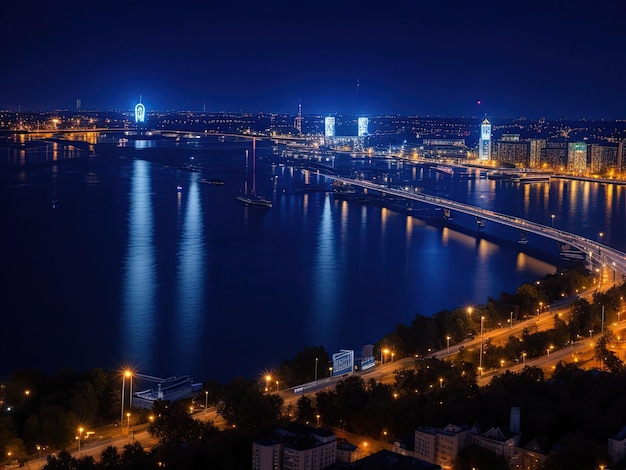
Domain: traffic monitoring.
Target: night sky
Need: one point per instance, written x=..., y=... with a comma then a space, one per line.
x=551, y=58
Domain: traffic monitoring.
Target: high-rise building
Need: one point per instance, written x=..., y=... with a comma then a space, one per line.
x=484, y=143
x=510, y=149
x=602, y=158
x=536, y=146
x=298, y=120
x=577, y=156
x=329, y=126
x=363, y=126
x=554, y=156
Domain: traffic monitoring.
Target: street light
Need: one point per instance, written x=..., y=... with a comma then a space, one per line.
x=448, y=340
x=440, y=382
x=80, y=434
x=318, y=420
x=128, y=421
x=316, y=359
x=523, y=358
x=552, y=217
x=127, y=374
x=267, y=382
x=511, y=320
x=206, y=401
x=277, y=389
x=480, y=367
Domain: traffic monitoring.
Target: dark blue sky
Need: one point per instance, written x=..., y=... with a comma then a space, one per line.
x=551, y=58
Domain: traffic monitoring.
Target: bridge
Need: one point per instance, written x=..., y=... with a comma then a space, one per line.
x=596, y=254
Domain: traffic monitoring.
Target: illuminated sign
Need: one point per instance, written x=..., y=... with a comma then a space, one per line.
x=343, y=362
x=140, y=113
x=363, y=124
x=329, y=126
x=368, y=362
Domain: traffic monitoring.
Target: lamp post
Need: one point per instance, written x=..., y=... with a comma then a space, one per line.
x=440, y=382
x=480, y=366
x=523, y=358
x=129, y=374
x=482, y=203
x=206, y=402
x=552, y=217
x=277, y=389
x=267, y=383
x=448, y=340
x=80, y=435
x=128, y=421
x=316, y=359
x=511, y=320
x=318, y=420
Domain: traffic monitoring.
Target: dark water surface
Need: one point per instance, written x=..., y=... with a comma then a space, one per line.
x=106, y=263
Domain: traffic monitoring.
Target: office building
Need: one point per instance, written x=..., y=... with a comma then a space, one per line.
x=484, y=143
x=329, y=126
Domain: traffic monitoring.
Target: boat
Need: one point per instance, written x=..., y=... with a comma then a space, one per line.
x=532, y=179
x=253, y=199
x=214, y=181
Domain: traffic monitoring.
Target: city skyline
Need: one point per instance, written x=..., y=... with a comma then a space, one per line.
x=558, y=60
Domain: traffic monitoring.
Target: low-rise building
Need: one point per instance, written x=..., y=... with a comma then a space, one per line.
x=295, y=447
x=440, y=446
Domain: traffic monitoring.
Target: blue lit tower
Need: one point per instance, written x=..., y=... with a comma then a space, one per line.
x=140, y=112
x=484, y=143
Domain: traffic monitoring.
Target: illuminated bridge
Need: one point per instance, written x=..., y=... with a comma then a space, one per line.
x=594, y=253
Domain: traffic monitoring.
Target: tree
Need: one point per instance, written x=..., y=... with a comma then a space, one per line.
x=110, y=459
x=246, y=407
x=173, y=423
x=305, y=412
x=61, y=461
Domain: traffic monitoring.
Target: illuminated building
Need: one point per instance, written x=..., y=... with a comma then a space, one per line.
x=577, y=156
x=511, y=150
x=484, y=143
x=362, y=127
x=602, y=158
x=554, y=155
x=536, y=146
x=329, y=126
x=140, y=112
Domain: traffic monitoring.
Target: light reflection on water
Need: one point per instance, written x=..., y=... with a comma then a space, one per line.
x=192, y=311
x=139, y=308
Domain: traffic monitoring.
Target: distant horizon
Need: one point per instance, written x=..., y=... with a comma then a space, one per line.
x=150, y=110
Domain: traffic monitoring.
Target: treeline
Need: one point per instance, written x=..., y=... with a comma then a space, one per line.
x=426, y=334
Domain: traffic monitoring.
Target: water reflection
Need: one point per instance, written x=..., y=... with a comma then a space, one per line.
x=140, y=277
x=325, y=280
x=191, y=282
